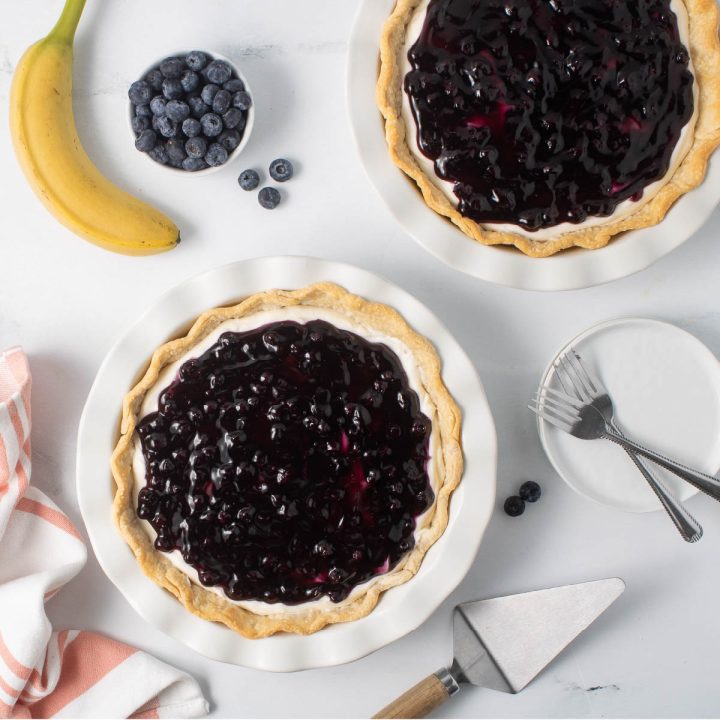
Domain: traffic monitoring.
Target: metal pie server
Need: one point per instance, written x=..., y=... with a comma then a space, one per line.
x=503, y=643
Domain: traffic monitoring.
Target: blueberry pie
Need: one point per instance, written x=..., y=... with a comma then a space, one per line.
x=546, y=124
x=288, y=460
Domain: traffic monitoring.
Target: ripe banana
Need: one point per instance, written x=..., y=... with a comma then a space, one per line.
x=56, y=165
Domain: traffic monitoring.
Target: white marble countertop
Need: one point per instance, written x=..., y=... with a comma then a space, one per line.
x=654, y=654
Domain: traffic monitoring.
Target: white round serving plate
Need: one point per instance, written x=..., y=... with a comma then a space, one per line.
x=401, y=609
x=576, y=268
x=665, y=386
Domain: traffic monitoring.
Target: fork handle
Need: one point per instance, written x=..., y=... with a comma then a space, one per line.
x=688, y=527
x=707, y=483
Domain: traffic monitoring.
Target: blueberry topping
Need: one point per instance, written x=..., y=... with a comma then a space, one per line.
x=140, y=92
x=216, y=155
x=198, y=107
x=190, y=81
x=192, y=164
x=281, y=170
x=269, y=198
x=139, y=124
x=212, y=125
x=230, y=139
x=172, y=68
x=234, y=85
x=143, y=110
x=196, y=60
x=191, y=127
x=165, y=126
x=196, y=147
x=177, y=110
x=514, y=506
x=249, y=179
x=172, y=89
x=530, y=491
x=259, y=458
x=218, y=72
x=234, y=118
x=221, y=101
x=242, y=101
x=154, y=79
x=208, y=93
x=158, y=105
x=548, y=111
x=146, y=140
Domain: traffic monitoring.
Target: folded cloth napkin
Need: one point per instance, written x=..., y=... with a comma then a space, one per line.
x=69, y=673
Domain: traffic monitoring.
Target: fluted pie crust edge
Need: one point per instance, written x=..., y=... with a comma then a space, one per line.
x=446, y=424
x=704, y=22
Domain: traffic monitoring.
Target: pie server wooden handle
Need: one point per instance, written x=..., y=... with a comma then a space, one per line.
x=418, y=701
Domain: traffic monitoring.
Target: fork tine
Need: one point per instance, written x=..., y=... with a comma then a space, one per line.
x=572, y=377
x=582, y=374
x=560, y=424
x=593, y=379
x=563, y=396
x=559, y=407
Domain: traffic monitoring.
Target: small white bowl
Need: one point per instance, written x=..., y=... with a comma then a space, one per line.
x=249, y=122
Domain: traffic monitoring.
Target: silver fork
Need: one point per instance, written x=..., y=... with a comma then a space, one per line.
x=578, y=380
x=582, y=420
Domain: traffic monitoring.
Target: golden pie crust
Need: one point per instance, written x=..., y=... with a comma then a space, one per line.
x=705, y=53
x=449, y=463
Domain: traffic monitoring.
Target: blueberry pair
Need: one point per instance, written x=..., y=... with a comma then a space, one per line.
x=529, y=492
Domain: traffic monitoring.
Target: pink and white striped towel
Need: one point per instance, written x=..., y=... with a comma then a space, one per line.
x=60, y=674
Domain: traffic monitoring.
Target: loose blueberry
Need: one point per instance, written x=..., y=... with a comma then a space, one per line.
x=530, y=491
x=196, y=60
x=140, y=92
x=146, y=141
x=198, y=107
x=248, y=180
x=196, y=147
x=165, y=126
x=158, y=105
x=154, y=79
x=177, y=110
x=212, y=124
x=234, y=85
x=234, y=118
x=190, y=81
x=514, y=506
x=143, y=110
x=281, y=170
x=172, y=89
x=218, y=72
x=216, y=155
x=221, y=101
x=159, y=154
x=230, y=139
x=192, y=164
x=242, y=101
x=191, y=127
x=172, y=68
x=139, y=124
x=208, y=93
x=269, y=198
x=176, y=150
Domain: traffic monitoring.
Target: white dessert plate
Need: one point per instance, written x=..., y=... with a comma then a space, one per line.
x=401, y=609
x=665, y=386
x=576, y=268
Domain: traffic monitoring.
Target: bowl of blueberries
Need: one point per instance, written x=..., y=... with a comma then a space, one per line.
x=191, y=112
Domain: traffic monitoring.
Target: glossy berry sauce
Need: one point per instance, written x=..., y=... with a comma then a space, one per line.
x=287, y=463
x=548, y=111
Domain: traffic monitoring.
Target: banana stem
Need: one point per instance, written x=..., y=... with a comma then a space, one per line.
x=67, y=24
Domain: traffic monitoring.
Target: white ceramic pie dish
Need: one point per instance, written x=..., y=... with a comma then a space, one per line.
x=572, y=269
x=401, y=609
